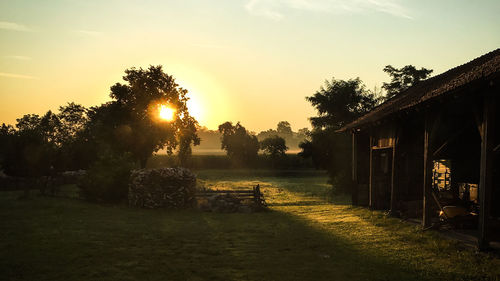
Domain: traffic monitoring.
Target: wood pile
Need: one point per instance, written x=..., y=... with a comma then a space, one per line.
x=231, y=201
x=171, y=188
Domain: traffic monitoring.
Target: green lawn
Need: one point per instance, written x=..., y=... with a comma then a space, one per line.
x=302, y=237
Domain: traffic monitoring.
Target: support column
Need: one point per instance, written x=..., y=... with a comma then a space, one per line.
x=354, y=186
x=486, y=170
x=427, y=192
x=393, y=178
x=370, y=183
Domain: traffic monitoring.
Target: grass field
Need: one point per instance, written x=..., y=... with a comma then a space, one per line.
x=302, y=237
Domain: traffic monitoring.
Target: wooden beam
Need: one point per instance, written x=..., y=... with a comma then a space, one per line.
x=354, y=158
x=496, y=148
x=393, y=177
x=486, y=170
x=477, y=118
x=354, y=186
x=427, y=193
x=370, y=183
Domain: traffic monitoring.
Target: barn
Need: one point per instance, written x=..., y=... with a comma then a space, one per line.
x=432, y=152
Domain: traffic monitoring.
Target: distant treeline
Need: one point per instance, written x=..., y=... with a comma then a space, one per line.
x=198, y=162
x=211, y=139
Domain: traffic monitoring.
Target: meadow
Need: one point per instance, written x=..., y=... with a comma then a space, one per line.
x=305, y=235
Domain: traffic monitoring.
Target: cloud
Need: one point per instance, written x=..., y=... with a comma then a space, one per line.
x=389, y=7
x=89, y=32
x=18, y=76
x=264, y=8
x=13, y=26
x=18, y=57
x=273, y=9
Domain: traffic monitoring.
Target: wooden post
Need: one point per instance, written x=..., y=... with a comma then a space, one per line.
x=370, y=183
x=256, y=194
x=393, y=178
x=486, y=170
x=427, y=192
x=354, y=186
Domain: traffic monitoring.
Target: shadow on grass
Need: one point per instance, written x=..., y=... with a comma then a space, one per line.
x=298, y=203
x=58, y=239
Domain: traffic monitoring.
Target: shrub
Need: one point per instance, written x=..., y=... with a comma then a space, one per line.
x=107, y=178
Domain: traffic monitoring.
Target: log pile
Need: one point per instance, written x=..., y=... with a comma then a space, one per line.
x=171, y=188
x=224, y=203
x=231, y=201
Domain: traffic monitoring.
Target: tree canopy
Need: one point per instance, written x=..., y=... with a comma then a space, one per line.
x=403, y=78
x=239, y=144
x=274, y=146
x=131, y=121
x=339, y=102
x=284, y=128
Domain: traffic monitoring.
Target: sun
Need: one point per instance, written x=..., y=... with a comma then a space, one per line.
x=166, y=113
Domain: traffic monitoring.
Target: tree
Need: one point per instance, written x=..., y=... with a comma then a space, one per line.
x=267, y=133
x=131, y=121
x=7, y=133
x=403, y=78
x=275, y=148
x=29, y=151
x=73, y=118
x=239, y=144
x=284, y=128
x=303, y=133
x=44, y=145
x=338, y=102
x=76, y=152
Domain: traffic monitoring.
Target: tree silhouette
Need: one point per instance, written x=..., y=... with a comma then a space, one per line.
x=275, y=148
x=403, y=78
x=131, y=122
x=284, y=128
x=338, y=102
x=239, y=144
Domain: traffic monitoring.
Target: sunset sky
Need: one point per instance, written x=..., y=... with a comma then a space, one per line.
x=252, y=61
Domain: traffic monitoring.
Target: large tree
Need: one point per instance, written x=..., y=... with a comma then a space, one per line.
x=239, y=144
x=338, y=102
x=284, y=129
x=274, y=147
x=403, y=78
x=131, y=122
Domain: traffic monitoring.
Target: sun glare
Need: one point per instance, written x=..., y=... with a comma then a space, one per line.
x=195, y=109
x=166, y=113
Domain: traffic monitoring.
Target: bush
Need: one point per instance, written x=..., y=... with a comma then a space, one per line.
x=162, y=188
x=107, y=178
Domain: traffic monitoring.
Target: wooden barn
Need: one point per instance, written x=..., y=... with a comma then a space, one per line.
x=432, y=152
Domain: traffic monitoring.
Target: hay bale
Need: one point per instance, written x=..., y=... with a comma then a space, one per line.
x=171, y=188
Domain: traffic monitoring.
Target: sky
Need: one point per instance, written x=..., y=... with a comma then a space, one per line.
x=252, y=61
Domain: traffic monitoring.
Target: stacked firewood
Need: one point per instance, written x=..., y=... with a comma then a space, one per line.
x=171, y=188
x=224, y=203
x=231, y=201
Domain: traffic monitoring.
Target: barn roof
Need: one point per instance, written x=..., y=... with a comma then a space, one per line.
x=482, y=67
